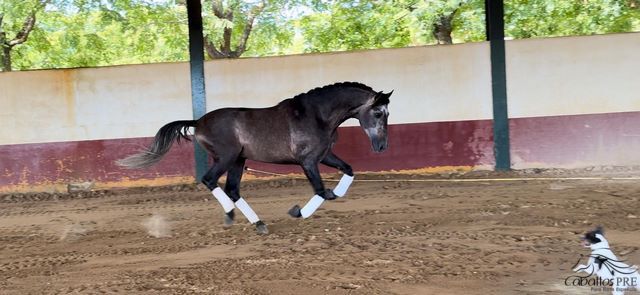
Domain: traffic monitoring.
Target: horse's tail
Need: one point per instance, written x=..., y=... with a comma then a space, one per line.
x=165, y=137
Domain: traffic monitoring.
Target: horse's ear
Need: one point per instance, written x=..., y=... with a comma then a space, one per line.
x=389, y=94
x=382, y=98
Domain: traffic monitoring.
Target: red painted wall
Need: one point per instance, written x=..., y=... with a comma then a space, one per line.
x=555, y=141
x=576, y=140
x=411, y=146
x=64, y=162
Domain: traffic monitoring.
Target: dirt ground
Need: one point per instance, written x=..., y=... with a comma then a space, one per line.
x=385, y=237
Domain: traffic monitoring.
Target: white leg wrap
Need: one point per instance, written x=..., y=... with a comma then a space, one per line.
x=247, y=211
x=311, y=206
x=343, y=185
x=224, y=200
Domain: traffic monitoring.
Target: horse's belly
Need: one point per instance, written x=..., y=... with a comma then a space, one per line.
x=269, y=157
x=269, y=152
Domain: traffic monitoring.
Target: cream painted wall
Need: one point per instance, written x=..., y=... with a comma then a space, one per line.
x=573, y=75
x=433, y=83
x=85, y=104
x=559, y=76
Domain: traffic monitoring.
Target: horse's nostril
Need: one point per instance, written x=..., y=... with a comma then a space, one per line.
x=383, y=146
x=379, y=147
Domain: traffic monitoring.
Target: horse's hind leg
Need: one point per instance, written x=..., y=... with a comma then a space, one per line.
x=210, y=179
x=232, y=188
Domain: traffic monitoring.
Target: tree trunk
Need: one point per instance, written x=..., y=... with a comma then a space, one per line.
x=5, y=53
x=442, y=29
x=21, y=36
x=6, y=59
x=225, y=49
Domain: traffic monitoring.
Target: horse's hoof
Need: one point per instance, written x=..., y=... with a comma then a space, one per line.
x=295, y=212
x=328, y=195
x=261, y=228
x=228, y=221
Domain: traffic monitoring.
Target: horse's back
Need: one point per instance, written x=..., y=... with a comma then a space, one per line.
x=260, y=134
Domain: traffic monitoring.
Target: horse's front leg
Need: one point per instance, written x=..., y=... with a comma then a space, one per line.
x=313, y=174
x=333, y=161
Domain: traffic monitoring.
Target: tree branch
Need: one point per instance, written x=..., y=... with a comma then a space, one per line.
x=218, y=9
x=220, y=12
x=28, y=25
x=23, y=34
x=225, y=50
x=443, y=26
x=225, y=46
x=255, y=11
x=211, y=49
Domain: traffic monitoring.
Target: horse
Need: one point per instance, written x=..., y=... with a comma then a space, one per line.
x=298, y=131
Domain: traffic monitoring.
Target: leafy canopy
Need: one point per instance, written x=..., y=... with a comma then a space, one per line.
x=88, y=33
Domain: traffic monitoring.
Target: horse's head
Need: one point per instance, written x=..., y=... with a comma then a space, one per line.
x=373, y=119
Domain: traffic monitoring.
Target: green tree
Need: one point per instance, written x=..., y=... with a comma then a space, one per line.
x=88, y=33
x=443, y=21
x=349, y=25
x=10, y=16
x=234, y=27
x=550, y=18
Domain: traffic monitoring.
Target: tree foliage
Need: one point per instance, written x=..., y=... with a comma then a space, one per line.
x=443, y=21
x=19, y=20
x=233, y=27
x=91, y=33
x=550, y=18
x=87, y=33
x=348, y=25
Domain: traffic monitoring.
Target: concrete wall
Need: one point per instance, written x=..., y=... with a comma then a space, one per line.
x=574, y=101
x=134, y=101
x=88, y=104
x=573, y=75
x=431, y=83
x=578, y=95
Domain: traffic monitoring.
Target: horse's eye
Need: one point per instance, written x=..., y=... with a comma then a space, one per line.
x=377, y=114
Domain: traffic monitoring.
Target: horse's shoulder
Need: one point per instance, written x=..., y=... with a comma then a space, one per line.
x=295, y=106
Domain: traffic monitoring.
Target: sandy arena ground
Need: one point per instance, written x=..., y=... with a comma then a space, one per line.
x=393, y=237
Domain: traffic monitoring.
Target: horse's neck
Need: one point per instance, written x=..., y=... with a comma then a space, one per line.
x=335, y=111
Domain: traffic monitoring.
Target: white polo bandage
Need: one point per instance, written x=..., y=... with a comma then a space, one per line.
x=343, y=185
x=247, y=211
x=224, y=200
x=311, y=206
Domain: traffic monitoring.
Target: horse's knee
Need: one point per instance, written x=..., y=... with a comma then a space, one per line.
x=234, y=194
x=348, y=170
x=209, y=181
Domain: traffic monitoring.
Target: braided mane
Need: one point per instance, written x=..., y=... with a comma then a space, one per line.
x=322, y=89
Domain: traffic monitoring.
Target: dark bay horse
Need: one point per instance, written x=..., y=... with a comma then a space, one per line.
x=299, y=130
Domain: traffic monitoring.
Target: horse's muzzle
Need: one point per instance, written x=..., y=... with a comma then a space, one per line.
x=378, y=145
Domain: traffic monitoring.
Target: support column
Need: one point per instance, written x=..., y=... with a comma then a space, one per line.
x=196, y=61
x=494, y=16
